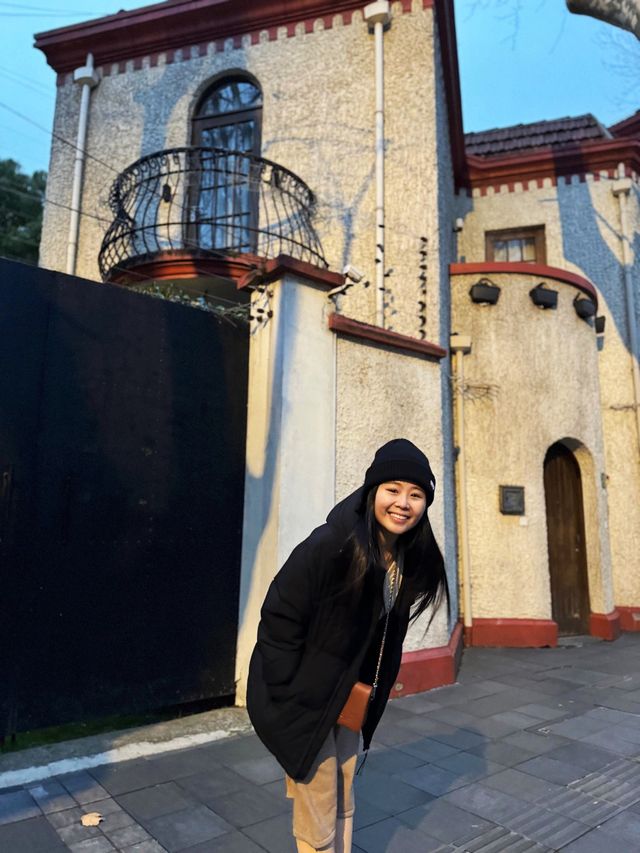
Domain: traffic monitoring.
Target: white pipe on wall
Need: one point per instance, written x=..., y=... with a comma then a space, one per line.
x=88, y=79
x=622, y=189
x=459, y=346
x=377, y=15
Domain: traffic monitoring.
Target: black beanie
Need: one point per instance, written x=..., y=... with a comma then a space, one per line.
x=399, y=459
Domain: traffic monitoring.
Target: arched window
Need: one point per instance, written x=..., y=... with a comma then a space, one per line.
x=228, y=118
x=229, y=115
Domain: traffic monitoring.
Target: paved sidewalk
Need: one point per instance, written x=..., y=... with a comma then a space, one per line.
x=533, y=750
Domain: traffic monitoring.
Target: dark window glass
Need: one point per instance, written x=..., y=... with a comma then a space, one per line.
x=225, y=200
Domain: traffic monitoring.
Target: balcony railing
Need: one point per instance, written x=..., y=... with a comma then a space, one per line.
x=208, y=202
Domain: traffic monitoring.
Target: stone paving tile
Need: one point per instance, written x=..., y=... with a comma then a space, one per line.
x=434, y=780
x=468, y=767
x=419, y=703
x=33, y=835
x=215, y=783
x=17, y=805
x=593, y=842
x=144, y=847
x=536, y=743
x=444, y=821
x=559, y=772
x=273, y=835
x=113, y=815
x=486, y=802
x=392, y=836
x=75, y=832
x=429, y=749
x=246, y=806
x=583, y=755
x=502, y=753
x=545, y=827
x=367, y=814
x=51, y=796
x=392, y=761
x=83, y=787
x=183, y=829
x=390, y=734
x=624, y=826
x=228, y=750
x=230, y=842
x=578, y=806
x=156, y=800
x=260, y=771
x=543, y=712
x=174, y=765
x=125, y=836
x=613, y=716
x=522, y=785
x=131, y=775
x=612, y=741
x=391, y=798
x=93, y=845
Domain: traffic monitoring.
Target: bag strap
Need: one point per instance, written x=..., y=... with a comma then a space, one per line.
x=375, y=680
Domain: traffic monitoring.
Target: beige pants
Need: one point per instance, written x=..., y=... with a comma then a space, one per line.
x=326, y=795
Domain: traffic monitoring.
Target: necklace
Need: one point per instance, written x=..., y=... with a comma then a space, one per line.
x=391, y=585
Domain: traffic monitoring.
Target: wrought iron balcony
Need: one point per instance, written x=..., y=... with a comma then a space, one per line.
x=207, y=202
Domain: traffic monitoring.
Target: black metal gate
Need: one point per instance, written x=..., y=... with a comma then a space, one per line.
x=122, y=447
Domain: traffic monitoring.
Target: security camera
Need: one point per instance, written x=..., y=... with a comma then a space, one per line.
x=458, y=225
x=352, y=274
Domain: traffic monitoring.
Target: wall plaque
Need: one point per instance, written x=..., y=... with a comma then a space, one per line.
x=512, y=500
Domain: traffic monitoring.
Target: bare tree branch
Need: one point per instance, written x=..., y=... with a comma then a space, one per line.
x=621, y=13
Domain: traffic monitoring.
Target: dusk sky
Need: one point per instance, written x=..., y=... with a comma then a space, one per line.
x=519, y=62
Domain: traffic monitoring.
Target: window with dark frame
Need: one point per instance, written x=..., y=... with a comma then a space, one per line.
x=524, y=245
x=228, y=118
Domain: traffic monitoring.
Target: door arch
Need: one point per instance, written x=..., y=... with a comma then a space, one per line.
x=566, y=541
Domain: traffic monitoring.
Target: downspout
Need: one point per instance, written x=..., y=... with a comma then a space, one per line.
x=88, y=79
x=460, y=345
x=377, y=16
x=622, y=189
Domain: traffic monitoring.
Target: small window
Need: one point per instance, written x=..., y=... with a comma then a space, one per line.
x=516, y=244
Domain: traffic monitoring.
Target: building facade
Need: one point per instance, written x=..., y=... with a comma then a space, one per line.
x=231, y=147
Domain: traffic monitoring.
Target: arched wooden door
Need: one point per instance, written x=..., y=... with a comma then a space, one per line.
x=566, y=541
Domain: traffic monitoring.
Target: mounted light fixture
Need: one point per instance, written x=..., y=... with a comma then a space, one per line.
x=585, y=308
x=484, y=292
x=543, y=297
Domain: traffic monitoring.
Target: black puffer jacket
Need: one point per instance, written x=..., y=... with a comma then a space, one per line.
x=313, y=642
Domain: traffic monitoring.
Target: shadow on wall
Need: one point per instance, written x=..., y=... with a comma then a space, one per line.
x=584, y=244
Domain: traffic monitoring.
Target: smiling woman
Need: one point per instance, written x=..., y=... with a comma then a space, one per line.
x=333, y=622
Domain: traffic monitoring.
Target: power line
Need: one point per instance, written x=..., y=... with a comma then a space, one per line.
x=45, y=9
x=26, y=85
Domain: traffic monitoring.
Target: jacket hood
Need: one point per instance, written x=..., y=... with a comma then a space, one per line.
x=345, y=514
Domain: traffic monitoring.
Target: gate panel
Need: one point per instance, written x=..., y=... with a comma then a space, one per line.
x=133, y=558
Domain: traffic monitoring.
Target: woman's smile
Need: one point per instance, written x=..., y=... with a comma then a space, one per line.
x=398, y=507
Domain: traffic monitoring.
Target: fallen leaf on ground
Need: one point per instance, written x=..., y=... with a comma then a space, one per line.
x=91, y=819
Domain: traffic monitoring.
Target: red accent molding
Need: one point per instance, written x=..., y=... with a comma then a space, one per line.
x=585, y=158
x=605, y=625
x=184, y=265
x=514, y=633
x=627, y=620
x=284, y=264
x=537, y=270
x=355, y=329
x=428, y=668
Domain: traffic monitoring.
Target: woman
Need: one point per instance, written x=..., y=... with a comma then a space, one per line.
x=336, y=614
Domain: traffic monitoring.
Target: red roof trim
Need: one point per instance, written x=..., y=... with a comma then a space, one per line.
x=589, y=157
x=182, y=23
x=286, y=265
x=629, y=126
x=355, y=329
x=537, y=270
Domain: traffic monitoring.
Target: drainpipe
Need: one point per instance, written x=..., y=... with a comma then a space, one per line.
x=88, y=79
x=622, y=189
x=377, y=16
x=460, y=345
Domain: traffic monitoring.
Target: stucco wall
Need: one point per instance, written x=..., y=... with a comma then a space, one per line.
x=384, y=394
x=583, y=235
x=318, y=121
x=531, y=380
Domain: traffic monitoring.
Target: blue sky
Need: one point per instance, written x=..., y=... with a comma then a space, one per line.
x=520, y=61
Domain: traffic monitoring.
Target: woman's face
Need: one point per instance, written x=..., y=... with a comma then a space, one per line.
x=398, y=507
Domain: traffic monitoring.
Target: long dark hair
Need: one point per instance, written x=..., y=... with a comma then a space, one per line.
x=422, y=561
